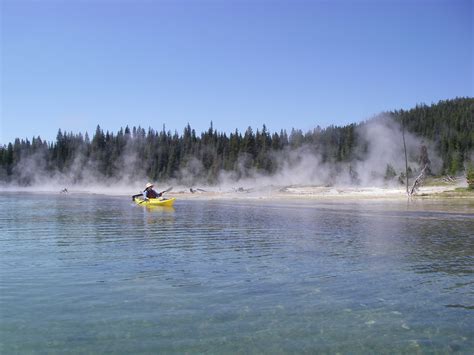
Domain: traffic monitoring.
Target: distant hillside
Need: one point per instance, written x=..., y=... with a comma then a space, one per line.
x=450, y=124
x=161, y=155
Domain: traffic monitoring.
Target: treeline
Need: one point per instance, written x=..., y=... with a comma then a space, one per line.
x=161, y=155
x=449, y=124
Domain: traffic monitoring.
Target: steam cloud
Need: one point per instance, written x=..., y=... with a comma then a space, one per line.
x=379, y=144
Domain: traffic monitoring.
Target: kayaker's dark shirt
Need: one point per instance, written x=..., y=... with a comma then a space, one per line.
x=150, y=193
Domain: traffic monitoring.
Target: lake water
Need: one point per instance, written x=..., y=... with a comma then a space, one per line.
x=97, y=274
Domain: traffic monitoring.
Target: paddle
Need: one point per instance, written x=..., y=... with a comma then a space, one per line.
x=161, y=193
x=135, y=196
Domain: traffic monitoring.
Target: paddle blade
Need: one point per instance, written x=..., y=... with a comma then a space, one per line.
x=135, y=196
x=167, y=190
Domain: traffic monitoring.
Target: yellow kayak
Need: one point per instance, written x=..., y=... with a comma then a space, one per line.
x=155, y=202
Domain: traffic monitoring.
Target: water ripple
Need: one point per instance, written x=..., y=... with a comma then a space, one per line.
x=96, y=274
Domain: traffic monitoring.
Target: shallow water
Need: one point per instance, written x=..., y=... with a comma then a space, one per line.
x=96, y=274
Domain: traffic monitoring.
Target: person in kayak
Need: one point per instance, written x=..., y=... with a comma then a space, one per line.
x=150, y=193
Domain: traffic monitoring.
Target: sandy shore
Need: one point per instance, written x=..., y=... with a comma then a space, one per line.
x=312, y=192
x=302, y=192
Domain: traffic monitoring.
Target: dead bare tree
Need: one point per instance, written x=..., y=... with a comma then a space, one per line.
x=418, y=181
x=406, y=158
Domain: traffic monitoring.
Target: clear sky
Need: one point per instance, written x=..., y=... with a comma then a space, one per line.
x=73, y=64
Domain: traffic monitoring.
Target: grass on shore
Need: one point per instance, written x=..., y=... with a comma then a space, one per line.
x=440, y=181
x=459, y=192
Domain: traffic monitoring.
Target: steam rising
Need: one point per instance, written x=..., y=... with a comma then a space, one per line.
x=379, y=144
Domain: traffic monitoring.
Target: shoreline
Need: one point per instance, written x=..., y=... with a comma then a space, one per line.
x=308, y=193
x=293, y=192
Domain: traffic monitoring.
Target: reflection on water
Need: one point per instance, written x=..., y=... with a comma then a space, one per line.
x=99, y=274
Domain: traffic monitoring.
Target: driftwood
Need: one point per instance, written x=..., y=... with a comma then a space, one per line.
x=241, y=189
x=418, y=181
x=196, y=190
x=448, y=178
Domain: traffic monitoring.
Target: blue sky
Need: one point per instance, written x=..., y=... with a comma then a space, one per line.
x=73, y=64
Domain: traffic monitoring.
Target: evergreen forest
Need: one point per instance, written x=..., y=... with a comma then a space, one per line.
x=163, y=155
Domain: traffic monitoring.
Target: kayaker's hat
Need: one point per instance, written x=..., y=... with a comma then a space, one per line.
x=148, y=185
